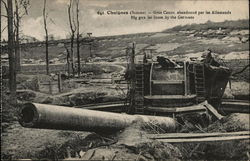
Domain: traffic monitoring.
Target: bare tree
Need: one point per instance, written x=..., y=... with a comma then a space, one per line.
x=1, y=34
x=45, y=16
x=4, y=16
x=77, y=39
x=72, y=37
x=6, y=7
x=1, y=42
x=12, y=70
x=21, y=9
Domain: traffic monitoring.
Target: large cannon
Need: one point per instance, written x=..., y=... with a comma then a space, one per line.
x=44, y=116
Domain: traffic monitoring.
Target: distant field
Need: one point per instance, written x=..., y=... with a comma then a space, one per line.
x=227, y=37
x=188, y=39
x=85, y=68
x=116, y=48
x=235, y=64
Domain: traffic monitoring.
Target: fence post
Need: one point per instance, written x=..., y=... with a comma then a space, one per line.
x=59, y=82
x=50, y=87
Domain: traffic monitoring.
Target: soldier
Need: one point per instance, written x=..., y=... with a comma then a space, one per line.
x=209, y=59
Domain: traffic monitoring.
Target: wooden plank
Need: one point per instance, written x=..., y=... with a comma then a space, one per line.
x=195, y=135
x=236, y=103
x=102, y=106
x=170, y=97
x=161, y=109
x=167, y=82
x=111, y=107
x=204, y=139
x=239, y=106
x=177, y=109
x=235, y=110
x=99, y=104
x=234, y=100
x=191, y=108
x=213, y=111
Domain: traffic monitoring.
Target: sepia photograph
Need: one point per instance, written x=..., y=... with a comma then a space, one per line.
x=139, y=80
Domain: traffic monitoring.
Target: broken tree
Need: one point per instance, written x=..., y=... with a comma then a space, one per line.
x=72, y=36
x=45, y=16
x=21, y=9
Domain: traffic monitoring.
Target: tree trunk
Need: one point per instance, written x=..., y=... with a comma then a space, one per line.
x=1, y=36
x=47, y=53
x=78, y=55
x=133, y=80
x=72, y=54
x=17, y=52
x=12, y=71
x=73, y=29
x=17, y=46
x=77, y=39
x=46, y=37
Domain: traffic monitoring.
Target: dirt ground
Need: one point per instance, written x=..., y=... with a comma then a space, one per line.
x=128, y=144
x=22, y=143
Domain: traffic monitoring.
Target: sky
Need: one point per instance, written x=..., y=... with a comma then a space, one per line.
x=105, y=25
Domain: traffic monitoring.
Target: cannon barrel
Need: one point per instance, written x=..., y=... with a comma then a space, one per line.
x=34, y=115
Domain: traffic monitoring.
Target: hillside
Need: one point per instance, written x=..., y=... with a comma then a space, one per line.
x=220, y=37
x=229, y=39
x=229, y=25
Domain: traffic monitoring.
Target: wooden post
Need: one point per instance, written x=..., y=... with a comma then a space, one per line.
x=188, y=79
x=38, y=83
x=50, y=87
x=150, y=79
x=185, y=78
x=59, y=82
x=132, y=76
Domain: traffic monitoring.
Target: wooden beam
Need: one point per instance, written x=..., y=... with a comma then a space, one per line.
x=213, y=111
x=195, y=135
x=239, y=107
x=177, y=109
x=106, y=107
x=167, y=82
x=205, y=139
x=160, y=97
x=101, y=104
x=150, y=79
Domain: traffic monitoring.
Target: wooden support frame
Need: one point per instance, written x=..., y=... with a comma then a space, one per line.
x=185, y=78
x=150, y=79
